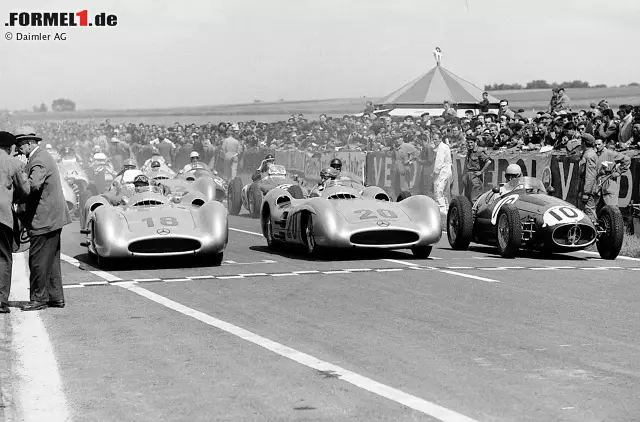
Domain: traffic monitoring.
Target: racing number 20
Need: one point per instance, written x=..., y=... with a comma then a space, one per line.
x=368, y=214
x=165, y=221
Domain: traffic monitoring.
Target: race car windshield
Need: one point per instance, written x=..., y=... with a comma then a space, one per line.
x=526, y=183
x=276, y=170
x=152, y=189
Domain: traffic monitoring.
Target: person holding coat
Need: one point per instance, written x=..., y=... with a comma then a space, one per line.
x=14, y=187
x=45, y=215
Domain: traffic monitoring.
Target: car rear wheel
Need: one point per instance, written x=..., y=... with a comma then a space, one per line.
x=610, y=242
x=272, y=243
x=234, y=196
x=509, y=231
x=255, y=200
x=422, y=252
x=459, y=223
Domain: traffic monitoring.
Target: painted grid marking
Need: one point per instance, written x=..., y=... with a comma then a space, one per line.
x=447, y=270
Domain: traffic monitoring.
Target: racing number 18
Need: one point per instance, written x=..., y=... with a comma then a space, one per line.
x=368, y=214
x=165, y=221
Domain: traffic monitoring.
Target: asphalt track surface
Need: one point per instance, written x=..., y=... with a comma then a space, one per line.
x=277, y=336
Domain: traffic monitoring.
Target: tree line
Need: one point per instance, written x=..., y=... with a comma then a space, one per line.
x=542, y=84
x=61, y=104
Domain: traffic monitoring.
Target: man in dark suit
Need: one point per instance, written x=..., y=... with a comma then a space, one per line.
x=45, y=215
x=14, y=187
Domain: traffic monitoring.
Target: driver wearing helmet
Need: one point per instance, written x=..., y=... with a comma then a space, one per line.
x=513, y=172
x=264, y=166
x=194, y=159
x=140, y=181
x=123, y=189
x=155, y=166
x=336, y=164
x=129, y=164
x=329, y=173
x=156, y=157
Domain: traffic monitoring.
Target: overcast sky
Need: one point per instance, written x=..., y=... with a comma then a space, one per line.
x=166, y=53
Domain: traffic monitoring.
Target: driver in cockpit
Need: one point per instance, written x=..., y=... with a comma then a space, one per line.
x=513, y=172
x=326, y=174
x=264, y=167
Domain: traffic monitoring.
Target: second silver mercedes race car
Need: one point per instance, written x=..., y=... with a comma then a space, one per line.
x=343, y=217
x=150, y=224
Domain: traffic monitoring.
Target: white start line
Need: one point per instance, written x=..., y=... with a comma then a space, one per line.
x=360, y=381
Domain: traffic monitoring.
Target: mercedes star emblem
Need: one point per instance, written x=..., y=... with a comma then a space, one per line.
x=383, y=223
x=163, y=231
x=573, y=235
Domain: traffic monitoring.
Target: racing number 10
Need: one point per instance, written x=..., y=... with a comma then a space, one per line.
x=165, y=221
x=368, y=214
x=568, y=213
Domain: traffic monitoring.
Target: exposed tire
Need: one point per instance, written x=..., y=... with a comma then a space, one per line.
x=508, y=231
x=460, y=223
x=310, y=240
x=272, y=243
x=255, y=200
x=234, y=196
x=403, y=195
x=609, y=244
x=105, y=263
x=296, y=192
x=216, y=259
x=422, y=252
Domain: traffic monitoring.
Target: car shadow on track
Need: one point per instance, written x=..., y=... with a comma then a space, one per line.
x=299, y=253
x=90, y=263
x=492, y=252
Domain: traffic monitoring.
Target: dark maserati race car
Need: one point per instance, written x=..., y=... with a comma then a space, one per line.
x=522, y=214
x=340, y=217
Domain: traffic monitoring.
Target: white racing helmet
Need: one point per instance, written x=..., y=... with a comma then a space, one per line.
x=100, y=156
x=513, y=171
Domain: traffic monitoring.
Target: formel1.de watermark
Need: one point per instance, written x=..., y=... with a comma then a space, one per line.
x=54, y=20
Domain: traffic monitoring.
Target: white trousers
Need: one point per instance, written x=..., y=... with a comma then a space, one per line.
x=440, y=185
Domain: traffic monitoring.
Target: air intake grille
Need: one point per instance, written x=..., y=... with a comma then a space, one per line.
x=342, y=196
x=164, y=245
x=148, y=203
x=574, y=235
x=386, y=237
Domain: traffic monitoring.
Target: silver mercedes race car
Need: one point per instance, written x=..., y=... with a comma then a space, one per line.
x=199, y=178
x=343, y=216
x=150, y=224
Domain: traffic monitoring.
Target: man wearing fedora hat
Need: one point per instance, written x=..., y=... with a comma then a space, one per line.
x=45, y=215
x=14, y=187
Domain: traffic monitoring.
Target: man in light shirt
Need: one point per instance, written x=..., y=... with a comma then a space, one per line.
x=442, y=172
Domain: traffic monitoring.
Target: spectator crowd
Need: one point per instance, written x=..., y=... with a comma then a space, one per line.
x=558, y=129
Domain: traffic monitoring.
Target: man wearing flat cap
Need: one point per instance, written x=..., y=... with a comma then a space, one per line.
x=14, y=187
x=45, y=215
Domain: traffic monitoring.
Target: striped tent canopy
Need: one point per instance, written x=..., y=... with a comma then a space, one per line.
x=433, y=88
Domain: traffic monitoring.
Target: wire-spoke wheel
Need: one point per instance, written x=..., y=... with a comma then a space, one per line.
x=309, y=237
x=508, y=231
